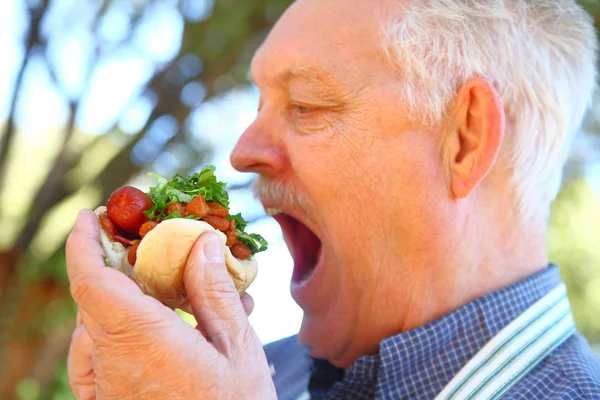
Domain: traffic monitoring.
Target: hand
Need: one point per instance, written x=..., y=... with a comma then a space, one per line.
x=129, y=345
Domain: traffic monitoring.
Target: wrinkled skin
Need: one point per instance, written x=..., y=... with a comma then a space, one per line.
x=403, y=210
x=412, y=220
x=129, y=345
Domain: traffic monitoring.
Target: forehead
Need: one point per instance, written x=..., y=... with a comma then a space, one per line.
x=321, y=39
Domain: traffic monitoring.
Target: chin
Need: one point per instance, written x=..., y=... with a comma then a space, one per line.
x=323, y=338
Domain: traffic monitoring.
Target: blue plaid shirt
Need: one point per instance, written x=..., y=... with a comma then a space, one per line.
x=418, y=364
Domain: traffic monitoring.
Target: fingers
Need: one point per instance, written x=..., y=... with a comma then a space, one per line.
x=210, y=290
x=79, y=320
x=248, y=303
x=79, y=365
x=83, y=250
x=109, y=297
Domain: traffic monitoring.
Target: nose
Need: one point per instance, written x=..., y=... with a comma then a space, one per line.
x=260, y=150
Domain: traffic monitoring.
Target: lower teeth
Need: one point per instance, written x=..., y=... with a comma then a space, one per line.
x=306, y=275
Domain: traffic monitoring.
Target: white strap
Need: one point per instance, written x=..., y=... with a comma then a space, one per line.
x=515, y=350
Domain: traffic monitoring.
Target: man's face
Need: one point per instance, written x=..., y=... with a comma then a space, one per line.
x=331, y=128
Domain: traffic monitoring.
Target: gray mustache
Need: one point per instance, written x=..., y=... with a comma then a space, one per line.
x=278, y=192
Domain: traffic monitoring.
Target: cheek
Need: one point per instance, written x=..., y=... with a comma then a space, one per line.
x=331, y=171
x=376, y=193
x=419, y=196
x=341, y=182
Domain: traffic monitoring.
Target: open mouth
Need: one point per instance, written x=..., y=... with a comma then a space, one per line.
x=305, y=247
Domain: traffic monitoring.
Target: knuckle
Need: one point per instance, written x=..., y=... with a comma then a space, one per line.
x=79, y=363
x=221, y=292
x=225, y=303
x=223, y=296
x=133, y=327
x=81, y=287
x=78, y=338
x=71, y=243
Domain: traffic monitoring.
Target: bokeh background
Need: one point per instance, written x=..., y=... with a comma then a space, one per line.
x=96, y=93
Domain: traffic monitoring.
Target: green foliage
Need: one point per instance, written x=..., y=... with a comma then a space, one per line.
x=184, y=188
x=28, y=389
x=573, y=243
x=254, y=241
x=59, y=388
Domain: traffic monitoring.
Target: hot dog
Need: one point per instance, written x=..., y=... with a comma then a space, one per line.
x=148, y=236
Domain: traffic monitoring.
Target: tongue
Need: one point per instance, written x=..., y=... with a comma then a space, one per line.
x=303, y=244
x=308, y=247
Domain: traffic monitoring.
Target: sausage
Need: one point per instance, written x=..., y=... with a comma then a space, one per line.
x=231, y=234
x=241, y=251
x=132, y=253
x=176, y=207
x=217, y=209
x=111, y=230
x=126, y=207
x=197, y=207
x=147, y=227
x=218, y=223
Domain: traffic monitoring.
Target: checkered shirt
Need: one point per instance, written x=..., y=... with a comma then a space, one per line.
x=418, y=364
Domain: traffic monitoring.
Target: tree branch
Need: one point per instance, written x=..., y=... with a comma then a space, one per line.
x=121, y=169
x=50, y=192
x=33, y=38
x=54, y=189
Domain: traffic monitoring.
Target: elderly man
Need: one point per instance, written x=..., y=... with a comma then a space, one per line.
x=410, y=151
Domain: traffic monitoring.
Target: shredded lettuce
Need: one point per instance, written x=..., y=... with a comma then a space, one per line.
x=183, y=189
x=254, y=241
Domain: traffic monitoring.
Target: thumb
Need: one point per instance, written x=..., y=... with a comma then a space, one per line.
x=212, y=295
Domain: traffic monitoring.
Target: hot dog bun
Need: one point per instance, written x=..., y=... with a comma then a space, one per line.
x=161, y=258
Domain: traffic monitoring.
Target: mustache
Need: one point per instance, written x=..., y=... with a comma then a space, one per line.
x=277, y=192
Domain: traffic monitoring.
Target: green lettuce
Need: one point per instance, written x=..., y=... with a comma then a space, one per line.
x=183, y=189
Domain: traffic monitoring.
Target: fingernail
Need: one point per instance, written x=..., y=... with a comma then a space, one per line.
x=213, y=249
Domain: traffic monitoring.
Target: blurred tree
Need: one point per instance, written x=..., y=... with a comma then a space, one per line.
x=573, y=238
x=157, y=62
x=191, y=50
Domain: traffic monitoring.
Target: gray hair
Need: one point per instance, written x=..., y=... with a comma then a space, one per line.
x=540, y=55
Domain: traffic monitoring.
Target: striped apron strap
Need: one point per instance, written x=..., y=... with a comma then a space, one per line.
x=515, y=350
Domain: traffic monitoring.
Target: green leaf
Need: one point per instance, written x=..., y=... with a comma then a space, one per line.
x=175, y=214
x=254, y=241
x=179, y=195
x=183, y=189
x=205, y=183
x=240, y=223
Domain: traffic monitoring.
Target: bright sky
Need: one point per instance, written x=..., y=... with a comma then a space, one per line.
x=115, y=86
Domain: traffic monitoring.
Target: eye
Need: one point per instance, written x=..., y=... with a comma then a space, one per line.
x=300, y=109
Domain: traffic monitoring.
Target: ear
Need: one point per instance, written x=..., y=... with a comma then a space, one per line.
x=474, y=141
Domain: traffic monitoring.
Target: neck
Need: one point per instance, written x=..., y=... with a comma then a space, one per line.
x=479, y=261
x=469, y=259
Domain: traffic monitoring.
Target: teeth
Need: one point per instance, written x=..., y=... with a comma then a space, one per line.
x=271, y=211
x=305, y=276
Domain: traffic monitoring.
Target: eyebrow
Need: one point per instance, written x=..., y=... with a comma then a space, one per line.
x=307, y=74
x=304, y=74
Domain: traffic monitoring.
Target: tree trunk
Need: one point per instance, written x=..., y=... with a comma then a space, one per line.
x=24, y=334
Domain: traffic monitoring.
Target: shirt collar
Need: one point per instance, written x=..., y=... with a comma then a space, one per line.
x=420, y=362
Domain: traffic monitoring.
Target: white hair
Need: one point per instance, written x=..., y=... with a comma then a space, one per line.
x=540, y=55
